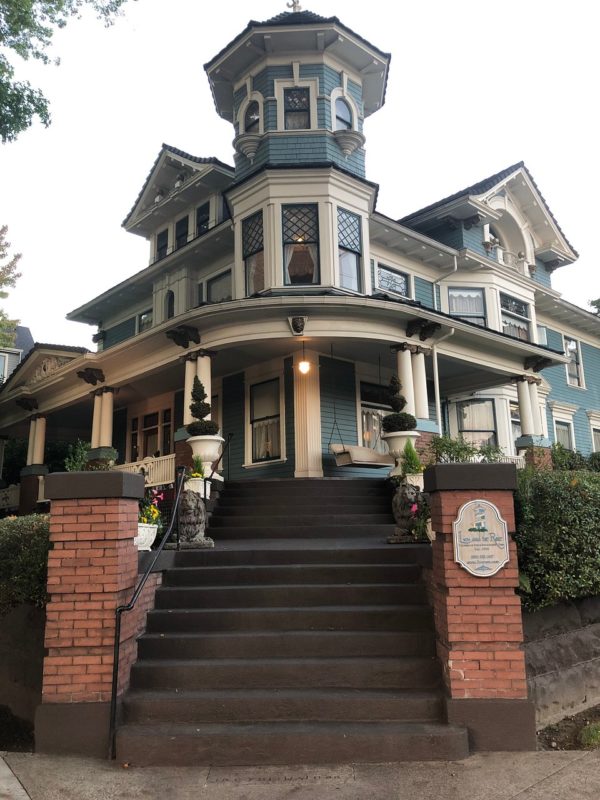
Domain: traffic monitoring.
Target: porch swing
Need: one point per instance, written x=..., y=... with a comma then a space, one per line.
x=355, y=455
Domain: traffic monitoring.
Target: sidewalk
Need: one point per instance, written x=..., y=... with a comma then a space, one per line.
x=573, y=775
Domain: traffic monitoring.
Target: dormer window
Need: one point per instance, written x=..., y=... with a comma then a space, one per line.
x=296, y=109
x=252, y=118
x=343, y=115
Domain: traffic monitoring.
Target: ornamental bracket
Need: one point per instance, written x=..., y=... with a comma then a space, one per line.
x=27, y=403
x=91, y=375
x=182, y=335
x=537, y=363
x=424, y=327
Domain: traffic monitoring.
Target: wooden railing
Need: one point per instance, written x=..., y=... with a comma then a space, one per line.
x=156, y=471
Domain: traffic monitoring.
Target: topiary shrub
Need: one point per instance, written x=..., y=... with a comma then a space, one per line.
x=400, y=420
x=24, y=544
x=558, y=536
x=200, y=409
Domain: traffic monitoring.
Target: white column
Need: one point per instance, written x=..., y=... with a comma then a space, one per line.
x=420, y=385
x=106, y=418
x=96, y=419
x=307, y=418
x=204, y=376
x=31, y=443
x=405, y=375
x=40, y=440
x=525, y=408
x=535, y=409
x=190, y=374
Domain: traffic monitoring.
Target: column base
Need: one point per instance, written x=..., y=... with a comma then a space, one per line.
x=75, y=729
x=101, y=455
x=495, y=725
x=30, y=487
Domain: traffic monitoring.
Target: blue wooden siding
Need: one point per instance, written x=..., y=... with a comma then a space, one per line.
x=234, y=420
x=424, y=291
x=264, y=81
x=338, y=390
x=541, y=274
x=586, y=399
x=118, y=333
x=473, y=239
x=447, y=235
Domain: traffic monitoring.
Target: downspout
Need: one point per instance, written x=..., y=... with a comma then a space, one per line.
x=440, y=279
x=436, y=378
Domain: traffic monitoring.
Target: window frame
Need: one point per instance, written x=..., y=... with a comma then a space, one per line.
x=469, y=317
x=141, y=325
x=595, y=432
x=3, y=367
x=162, y=251
x=253, y=253
x=578, y=362
x=255, y=126
x=285, y=243
x=344, y=249
x=380, y=410
x=459, y=419
x=312, y=84
x=514, y=315
x=181, y=239
x=210, y=281
x=252, y=420
x=204, y=230
x=348, y=123
x=395, y=270
x=289, y=111
x=568, y=425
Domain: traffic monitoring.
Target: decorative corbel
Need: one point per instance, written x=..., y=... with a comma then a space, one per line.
x=91, y=375
x=297, y=325
x=424, y=327
x=182, y=335
x=472, y=222
x=27, y=403
x=537, y=363
x=99, y=337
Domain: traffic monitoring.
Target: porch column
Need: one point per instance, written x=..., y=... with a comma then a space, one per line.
x=525, y=407
x=96, y=418
x=190, y=374
x=307, y=417
x=31, y=443
x=39, y=440
x=405, y=374
x=106, y=417
x=420, y=384
x=203, y=371
x=535, y=407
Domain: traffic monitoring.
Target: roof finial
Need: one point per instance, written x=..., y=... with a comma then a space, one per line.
x=294, y=5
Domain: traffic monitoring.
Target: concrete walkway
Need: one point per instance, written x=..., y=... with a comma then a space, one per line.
x=495, y=776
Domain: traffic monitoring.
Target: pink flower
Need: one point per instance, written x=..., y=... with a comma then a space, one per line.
x=414, y=508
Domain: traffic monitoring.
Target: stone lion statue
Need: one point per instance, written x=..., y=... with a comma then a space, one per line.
x=192, y=521
x=409, y=504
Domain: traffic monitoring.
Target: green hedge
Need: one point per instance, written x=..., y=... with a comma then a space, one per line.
x=558, y=536
x=24, y=543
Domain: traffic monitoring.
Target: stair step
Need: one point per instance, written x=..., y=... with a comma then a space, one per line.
x=340, y=618
x=286, y=644
x=262, y=705
x=291, y=573
x=287, y=594
x=253, y=552
x=328, y=505
x=287, y=673
x=287, y=531
x=263, y=519
x=289, y=743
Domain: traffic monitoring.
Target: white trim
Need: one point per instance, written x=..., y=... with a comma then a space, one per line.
x=570, y=425
x=594, y=418
x=250, y=98
x=410, y=282
x=312, y=84
x=341, y=93
x=580, y=369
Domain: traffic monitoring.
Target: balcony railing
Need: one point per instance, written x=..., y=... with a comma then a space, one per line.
x=156, y=471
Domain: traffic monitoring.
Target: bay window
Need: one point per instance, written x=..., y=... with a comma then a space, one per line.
x=515, y=317
x=300, y=244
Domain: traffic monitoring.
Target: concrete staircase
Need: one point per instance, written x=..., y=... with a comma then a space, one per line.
x=301, y=638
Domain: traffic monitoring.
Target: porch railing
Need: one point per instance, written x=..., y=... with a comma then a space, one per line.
x=9, y=497
x=156, y=471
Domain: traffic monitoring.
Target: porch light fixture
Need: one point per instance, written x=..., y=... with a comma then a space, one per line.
x=304, y=365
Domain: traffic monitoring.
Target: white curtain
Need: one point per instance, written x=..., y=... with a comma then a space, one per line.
x=265, y=439
x=466, y=302
x=301, y=263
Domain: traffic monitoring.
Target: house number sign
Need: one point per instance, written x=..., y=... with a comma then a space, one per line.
x=480, y=538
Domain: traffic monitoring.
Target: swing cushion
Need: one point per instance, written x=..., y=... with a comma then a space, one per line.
x=348, y=455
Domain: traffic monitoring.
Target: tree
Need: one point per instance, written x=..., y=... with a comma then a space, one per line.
x=8, y=277
x=595, y=305
x=26, y=29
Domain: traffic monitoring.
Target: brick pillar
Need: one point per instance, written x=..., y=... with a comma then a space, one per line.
x=92, y=569
x=538, y=457
x=478, y=619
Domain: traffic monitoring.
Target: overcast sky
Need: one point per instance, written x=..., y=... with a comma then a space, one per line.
x=474, y=86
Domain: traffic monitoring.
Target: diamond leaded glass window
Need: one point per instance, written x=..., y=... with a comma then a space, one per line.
x=301, y=243
x=296, y=108
x=349, y=249
x=253, y=253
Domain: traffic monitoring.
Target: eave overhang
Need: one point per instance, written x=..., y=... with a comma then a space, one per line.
x=551, y=304
x=389, y=233
x=261, y=40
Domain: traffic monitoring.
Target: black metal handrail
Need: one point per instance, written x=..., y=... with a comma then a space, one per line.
x=121, y=609
x=218, y=461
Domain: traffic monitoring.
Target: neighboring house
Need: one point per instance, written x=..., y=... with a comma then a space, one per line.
x=11, y=357
x=283, y=258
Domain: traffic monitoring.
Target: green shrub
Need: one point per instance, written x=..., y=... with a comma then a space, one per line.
x=402, y=421
x=410, y=461
x=567, y=460
x=594, y=462
x=590, y=735
x=446, y=450
x=24, y=544
x=558, y=536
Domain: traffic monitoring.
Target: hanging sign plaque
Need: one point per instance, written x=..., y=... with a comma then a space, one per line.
x=480, y=538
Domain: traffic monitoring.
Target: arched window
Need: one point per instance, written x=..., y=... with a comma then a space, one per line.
x=252, y=118
x=169, y=305
x=343, y=115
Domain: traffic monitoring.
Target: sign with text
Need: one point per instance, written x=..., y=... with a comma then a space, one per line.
x=480, y=538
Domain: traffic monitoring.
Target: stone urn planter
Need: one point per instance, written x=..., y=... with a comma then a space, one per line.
x=396, y=442
x=197, y=485
x=146, y=536
x=206, y=448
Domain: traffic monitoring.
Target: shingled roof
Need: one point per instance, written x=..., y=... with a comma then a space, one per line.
x=480, y=188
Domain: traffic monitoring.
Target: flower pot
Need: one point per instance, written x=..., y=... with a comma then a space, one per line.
x=146, y=536
x=207, y=449
x=415, y=479
x=197, y=485
x=396, y=442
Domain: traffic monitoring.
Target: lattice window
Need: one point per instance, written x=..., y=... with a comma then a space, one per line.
x=296, y=107
x=388, y=280
x=300, y=224
x=252, y=234
x=349, y=231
